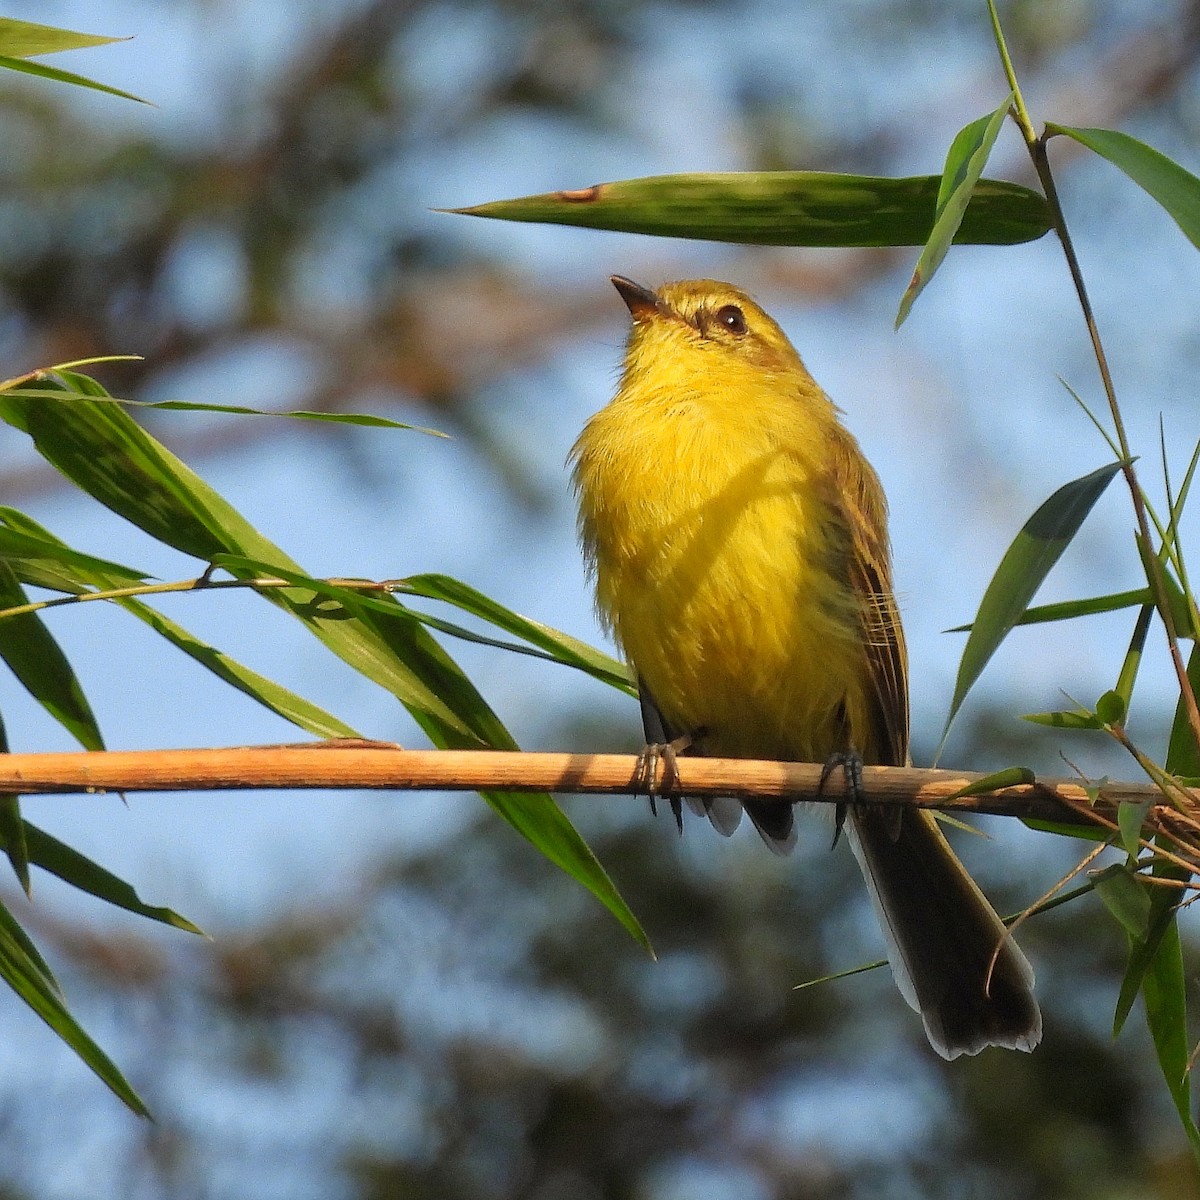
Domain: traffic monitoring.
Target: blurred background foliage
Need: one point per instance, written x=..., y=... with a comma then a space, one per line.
x=428, y=1010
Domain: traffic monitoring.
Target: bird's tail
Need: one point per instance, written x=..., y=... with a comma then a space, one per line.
x=942, y=935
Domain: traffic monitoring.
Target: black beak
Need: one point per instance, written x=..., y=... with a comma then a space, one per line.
x=641, y=301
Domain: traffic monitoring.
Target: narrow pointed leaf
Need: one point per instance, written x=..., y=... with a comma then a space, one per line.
x=24, y=39
x=12, y=828
x=239, y=410
x=1177, y=190
x=561, y=646
x=80, y=871
x=965, y=161
x=106, y=453
x=17, y=542
x=1067, y=610
x=1141, y=953
x=26, y=972
x=34, y=657
x=1126, y=898
x=1064, y=720
x=79, y=573
x=1009, y=777
x=1130, y=818
x=1165, y=997
x=1024, y=566
x=846, y=974
x=296, y=414
x=60, y=76
x=1133, y=658
x=1183, y=755
x=271, y=695
x=783, y=208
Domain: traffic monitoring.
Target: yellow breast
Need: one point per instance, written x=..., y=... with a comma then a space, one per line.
x=720, y=564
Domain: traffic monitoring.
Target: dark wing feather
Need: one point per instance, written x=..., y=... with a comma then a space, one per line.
x=859, y=496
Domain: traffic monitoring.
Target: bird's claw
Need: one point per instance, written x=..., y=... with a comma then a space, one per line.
x=664, y=755
x=851, y=764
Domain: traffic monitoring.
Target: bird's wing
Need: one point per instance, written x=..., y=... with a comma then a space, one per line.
x=859, y=496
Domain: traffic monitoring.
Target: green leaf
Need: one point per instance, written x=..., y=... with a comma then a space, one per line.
x=60, y=76
x=1177, y=190
x=965, y=161
x=1130, y=818
x=1024, y=566
x=1126, y=898
x=1066, y=610
x=102, y=450
x=783, y=208
x=1183, y=755
x=34, y=657
x=12, y=828
x=1083, y=833
x=1141, y=952
x=1009, y=777
x=560, y=646
x=26, y=972
x=296, y=414
x=1132, y=662
x=1064, y=720
x=81, y=572
x=299, y=414
x=17, y=542
x=1165, y=996
x=76, y=869
x=1110, y=708
x=24, y=39
x=271, y=695
x=846, y=974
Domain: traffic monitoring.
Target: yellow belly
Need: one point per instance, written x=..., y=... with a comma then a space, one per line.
x=717, y=566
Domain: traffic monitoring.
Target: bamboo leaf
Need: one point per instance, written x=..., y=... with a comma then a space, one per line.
x=1064, y=720
x=26, y=972
x=80, y=573
x=24, y=39
x=12, y=829
x=1183, y=755
x=1177, y=190
x=80, y=871
x=1066, y=610
x=103, y=451
x=34, y=657
x=783, y=208
x=60, y=76
x=18, y=541
x=1024, y=566
x=965, y=161
x=1165, y=997
x=298, y=414
x=561, y=646
x=1009, y=777
x=1130, y=818
x=1126, y=898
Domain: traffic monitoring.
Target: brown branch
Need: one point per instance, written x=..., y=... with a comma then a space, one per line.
x=351, y=763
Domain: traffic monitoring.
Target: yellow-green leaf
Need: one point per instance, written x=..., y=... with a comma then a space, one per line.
x=783, y=208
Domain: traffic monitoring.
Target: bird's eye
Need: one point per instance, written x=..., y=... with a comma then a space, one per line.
x=730, y=317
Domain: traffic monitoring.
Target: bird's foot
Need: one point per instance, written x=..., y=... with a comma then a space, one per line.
x=654, y=782
x=851, y=764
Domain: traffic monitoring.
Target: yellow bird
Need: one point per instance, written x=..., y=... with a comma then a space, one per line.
x=738, y=541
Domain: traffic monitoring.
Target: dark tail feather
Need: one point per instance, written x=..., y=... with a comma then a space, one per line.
x=942, y=934
x=775, y=823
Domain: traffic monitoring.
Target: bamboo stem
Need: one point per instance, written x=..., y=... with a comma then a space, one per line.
x=352, y=763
